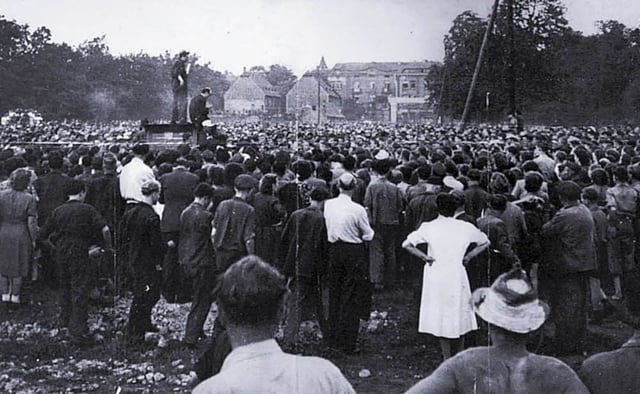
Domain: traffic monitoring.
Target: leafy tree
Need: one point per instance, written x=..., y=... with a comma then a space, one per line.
x=281, y=77
x=88, y=82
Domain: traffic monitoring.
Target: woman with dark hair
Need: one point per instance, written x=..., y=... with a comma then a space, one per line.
x=445, y=311
x=269, y=218
x=18, y=232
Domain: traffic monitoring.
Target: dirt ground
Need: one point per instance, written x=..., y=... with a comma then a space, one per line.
x=36, y=357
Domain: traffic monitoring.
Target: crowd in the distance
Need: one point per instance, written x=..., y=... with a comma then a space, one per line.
x=519, y=220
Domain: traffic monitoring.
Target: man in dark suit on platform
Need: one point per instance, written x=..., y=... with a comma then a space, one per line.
x=198, y=111
x=176, y=195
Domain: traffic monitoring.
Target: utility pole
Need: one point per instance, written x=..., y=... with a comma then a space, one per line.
x=476, y=72
x=512, y=70
x=318, y=104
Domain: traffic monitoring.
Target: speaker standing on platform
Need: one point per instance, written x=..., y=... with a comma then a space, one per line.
x=179, y=86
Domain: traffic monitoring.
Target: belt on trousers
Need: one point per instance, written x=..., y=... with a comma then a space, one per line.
x=344, y=243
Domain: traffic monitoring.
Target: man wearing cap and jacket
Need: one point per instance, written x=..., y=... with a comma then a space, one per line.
x=569, y=244
x=512, y=309
x=349, y=293
x=143, y=252
x=234, y=224
x=384, y=204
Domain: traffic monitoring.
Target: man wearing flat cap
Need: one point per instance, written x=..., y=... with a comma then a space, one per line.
x=568, y=240
x=512, y=310
x=179, y=73
x=234, y=224
x=143, y=251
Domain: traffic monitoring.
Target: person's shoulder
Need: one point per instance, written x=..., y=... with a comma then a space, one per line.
x=552, y=364
x=321, y=368
x=215, y=384
x=600, y=361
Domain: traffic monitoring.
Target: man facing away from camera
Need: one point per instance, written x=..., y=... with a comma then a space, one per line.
x=512, y=310
x=251, y=298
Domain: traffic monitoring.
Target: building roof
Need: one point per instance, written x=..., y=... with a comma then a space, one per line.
x=392, y=67
x=263, y=83
x=323, y=82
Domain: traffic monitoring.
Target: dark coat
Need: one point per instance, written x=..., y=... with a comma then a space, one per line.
x=195, y=236
x=51, y=189
x=176, y=194
x=142, y=240
x=179, y=69
x=305, y=250
x=103, y=192
x=198, y=111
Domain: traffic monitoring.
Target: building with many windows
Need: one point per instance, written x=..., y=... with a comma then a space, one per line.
x=387, y=91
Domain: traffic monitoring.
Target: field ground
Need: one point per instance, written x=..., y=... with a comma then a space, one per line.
x=36, y=357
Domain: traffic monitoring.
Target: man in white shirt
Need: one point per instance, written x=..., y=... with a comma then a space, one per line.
x=134, y=174
x=349, y=289
x=251, y=299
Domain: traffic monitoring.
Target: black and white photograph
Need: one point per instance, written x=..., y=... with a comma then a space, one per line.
x=319, y=196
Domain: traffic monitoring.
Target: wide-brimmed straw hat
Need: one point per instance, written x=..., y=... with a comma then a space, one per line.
x=511, y=303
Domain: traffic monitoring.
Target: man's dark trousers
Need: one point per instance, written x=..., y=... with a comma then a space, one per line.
x=347, y=293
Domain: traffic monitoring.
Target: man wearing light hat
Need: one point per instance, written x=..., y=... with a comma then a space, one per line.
x=512, y=310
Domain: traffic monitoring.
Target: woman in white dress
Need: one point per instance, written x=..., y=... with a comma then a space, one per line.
x=445, y=309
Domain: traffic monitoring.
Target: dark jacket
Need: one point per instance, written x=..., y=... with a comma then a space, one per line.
x=198, y=111
x=304, y=244
x=103, y=192
x=475, y=200
x=235, y=224
x=499, y=258
x=569, y=241
x=179, y=69
x=143, y=248
x=51, y=189
x=421, y=208
x=384, y=202
x=176, y=194
x=195, y=246
x=73, y=227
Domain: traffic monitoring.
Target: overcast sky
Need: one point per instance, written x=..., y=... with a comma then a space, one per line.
x=232, y=34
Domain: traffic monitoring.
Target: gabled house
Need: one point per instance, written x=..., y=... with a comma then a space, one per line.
x=252, y=93
x=313, y=100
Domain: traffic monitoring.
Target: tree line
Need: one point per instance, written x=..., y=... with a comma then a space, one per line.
x=89, y=83
x=561, y=76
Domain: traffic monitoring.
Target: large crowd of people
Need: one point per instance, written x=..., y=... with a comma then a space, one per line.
x=487, y=221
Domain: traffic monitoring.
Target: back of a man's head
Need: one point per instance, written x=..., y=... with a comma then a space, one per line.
x=250, y=293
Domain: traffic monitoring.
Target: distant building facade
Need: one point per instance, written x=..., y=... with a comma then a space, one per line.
x=312, y=99
x=388, y=91
x=253, y=94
